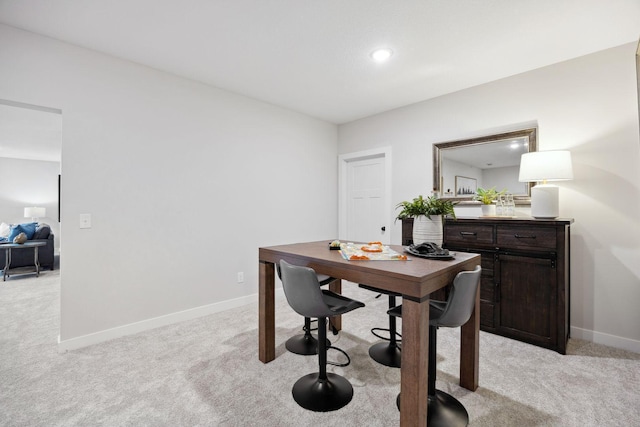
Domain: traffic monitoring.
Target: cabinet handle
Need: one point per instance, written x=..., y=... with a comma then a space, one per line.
x=519, y=236
x=467, y=233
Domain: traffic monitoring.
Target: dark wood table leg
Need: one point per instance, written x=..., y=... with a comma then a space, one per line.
x=266, y=313
x=336, y=321
x=470, y=348
x=415, y=361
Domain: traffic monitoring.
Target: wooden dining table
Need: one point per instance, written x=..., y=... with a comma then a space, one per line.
x=415, y=278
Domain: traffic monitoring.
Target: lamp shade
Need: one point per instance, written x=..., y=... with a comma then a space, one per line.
x=546, y=166
x=34, y=212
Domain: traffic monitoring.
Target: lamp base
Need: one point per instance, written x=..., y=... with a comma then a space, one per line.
x=544, y=201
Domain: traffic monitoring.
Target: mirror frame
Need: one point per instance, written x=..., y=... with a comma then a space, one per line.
x=531, y=133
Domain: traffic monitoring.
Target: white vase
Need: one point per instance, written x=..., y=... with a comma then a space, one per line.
x=427, y=229
x=489, y=210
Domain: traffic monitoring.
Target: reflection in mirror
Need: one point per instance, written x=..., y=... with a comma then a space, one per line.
x=460, y=167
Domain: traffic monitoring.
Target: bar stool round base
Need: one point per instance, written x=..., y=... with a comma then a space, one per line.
x=318, y=395
x=444, y=410
x=305, y=345
x=386, y=354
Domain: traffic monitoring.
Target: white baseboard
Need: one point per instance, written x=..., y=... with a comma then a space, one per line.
x=205, y=310
x=605, y=339
x=156, y=322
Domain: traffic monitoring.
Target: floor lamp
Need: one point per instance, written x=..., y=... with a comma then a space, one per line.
x=544, y=166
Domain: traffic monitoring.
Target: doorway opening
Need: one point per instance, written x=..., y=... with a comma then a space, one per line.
x=30, y=166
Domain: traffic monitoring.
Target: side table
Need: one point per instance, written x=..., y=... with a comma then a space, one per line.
x=8, y=247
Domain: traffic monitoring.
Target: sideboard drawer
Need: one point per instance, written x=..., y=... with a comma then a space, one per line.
x=533, y=237
x=487, y=263
x=487, y=318
x=487, y=289
x=464, y=233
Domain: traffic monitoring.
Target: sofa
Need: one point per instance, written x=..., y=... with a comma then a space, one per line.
x=24, y=257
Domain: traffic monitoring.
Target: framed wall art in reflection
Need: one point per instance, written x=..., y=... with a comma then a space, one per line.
x=465, y=186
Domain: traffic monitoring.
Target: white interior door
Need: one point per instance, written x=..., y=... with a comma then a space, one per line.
x=365, y=188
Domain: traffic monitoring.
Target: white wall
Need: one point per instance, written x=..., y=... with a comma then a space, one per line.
x=26, y=183
x=588, y=105
x=501, y=178
x=451, y=169
x=504, y=179
x=183, y=181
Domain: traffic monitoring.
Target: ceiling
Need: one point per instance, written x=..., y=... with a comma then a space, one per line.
x=313, y=56
x=495, y=154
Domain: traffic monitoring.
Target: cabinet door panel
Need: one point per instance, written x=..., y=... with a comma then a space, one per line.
x=527, y=295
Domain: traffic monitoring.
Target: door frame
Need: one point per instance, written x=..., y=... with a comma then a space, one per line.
x=343, y=190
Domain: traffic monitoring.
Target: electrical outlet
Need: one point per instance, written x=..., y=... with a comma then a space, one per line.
x=240, y=277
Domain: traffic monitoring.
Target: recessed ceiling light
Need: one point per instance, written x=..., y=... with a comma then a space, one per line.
x=381, y=55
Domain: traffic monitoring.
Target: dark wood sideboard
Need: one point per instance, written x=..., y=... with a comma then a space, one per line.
x=525, y=285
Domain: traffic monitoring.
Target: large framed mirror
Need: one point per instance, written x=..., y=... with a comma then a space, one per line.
x=460, y=167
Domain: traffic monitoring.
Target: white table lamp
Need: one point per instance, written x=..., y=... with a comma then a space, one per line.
x=34, y=213
x=543, y=166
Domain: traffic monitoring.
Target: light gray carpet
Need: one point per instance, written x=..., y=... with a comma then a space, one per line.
x=206, y=372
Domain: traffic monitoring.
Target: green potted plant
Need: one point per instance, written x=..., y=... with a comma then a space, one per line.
x=427, y=216
x=487, y=196
x=429, y=206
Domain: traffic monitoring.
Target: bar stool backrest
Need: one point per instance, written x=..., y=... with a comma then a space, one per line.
x=303, y=292
x=461, y=299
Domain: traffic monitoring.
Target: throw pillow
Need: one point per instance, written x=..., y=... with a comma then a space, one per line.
x=15, y=230
x=20, y=238
x=42, y=232
x=5, y=229
x=29, y=229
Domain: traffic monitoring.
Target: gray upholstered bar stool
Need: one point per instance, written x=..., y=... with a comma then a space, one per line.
x=305, y=344
x=444, y=409
x=321, y=391
x=387, y=352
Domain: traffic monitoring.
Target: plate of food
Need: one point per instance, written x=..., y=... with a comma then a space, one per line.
x=372, y=247
x=371, y=251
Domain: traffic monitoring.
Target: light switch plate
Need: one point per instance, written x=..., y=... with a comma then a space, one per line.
x=85, y=220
